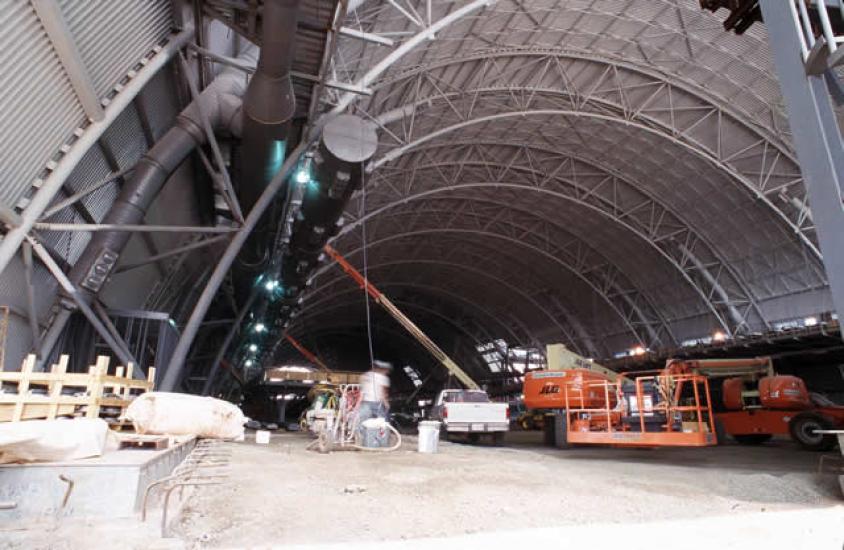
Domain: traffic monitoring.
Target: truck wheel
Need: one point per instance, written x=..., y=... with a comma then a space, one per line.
x=752, y=439
x=802, y=428
x=497, y=438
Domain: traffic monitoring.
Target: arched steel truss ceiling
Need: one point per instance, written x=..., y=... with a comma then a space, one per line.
x=478, y=333
x=492, y=316
x=509, y=287
x=467, y=357
x=603, y=276
x=600, y=276
x=749, y=185
x=753, y=163
x=577, y=258
x=664, y=56
x=648, y=217
x=491, y=263
x=614, y=68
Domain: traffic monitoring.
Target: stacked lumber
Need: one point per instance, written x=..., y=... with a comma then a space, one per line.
x=89, y=393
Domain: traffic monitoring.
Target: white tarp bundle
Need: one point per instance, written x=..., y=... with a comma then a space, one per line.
x=52, y=440
x=184, y=414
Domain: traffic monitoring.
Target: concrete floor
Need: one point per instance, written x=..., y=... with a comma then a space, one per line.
x=473, y=496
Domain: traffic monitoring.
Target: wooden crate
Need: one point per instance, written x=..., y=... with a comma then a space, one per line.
x=96, y=389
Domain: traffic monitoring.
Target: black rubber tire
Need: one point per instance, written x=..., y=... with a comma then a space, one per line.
x=801, y=427
x=548, y=430
x=752, y=439
x=560, y=430
x=497, y=438
x=720, y=432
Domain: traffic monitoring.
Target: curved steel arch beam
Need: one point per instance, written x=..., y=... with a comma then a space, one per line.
x=435, y=290
x=657, y=128
x=565, y=331
x=417, y=352
x=675, y=81
x=526, y=334
x=684, y=248
x=431, y=192
x=488, y=234
x=607, y=280
x=487, y=337
x=472, y=362
x=405, y=48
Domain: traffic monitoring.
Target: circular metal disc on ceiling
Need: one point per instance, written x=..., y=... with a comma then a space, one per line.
x=350, y=138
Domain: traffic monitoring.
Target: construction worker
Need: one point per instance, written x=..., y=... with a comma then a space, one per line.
x=374, y=391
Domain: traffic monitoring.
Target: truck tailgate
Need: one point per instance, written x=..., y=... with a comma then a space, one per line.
x=477, y=412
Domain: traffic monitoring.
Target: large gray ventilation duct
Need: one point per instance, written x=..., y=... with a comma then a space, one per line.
x=269, y=103
x=267, y=109
x=348, y=141
x=220, y=102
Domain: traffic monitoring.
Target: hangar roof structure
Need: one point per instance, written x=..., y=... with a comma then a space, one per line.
x=610, y=174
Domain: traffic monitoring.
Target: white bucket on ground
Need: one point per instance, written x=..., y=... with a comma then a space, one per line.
x=429, y=436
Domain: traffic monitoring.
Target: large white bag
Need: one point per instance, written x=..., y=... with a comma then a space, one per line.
x=52, y=440
x=185, y=414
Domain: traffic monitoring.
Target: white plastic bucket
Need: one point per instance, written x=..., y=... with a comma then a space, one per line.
x=429, y=436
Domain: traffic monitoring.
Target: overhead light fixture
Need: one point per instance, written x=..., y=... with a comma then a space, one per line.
x=638, y=350
x=260, y=327
x=303, y=174
x=271, y=284
x=253, y=348
x=248, y=363
x=810, y=321
x=719, y=336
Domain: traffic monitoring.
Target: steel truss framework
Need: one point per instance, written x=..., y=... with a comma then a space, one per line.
x=504, y=126
x=486, y=123
x=490, y=270
x=545, y=174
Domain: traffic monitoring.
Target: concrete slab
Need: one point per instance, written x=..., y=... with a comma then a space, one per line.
x=109, y=486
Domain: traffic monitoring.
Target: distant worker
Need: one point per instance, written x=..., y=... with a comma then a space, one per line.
x=374, y=391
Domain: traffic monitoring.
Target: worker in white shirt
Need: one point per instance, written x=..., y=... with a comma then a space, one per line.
x=374, y=391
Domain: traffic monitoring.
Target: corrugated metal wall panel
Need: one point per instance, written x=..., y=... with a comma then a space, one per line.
x=125, y=138
x=91, y=169
x=18, y=343
x=40, y=109
x=161, y=101
x=112, y=36
x=13, y=294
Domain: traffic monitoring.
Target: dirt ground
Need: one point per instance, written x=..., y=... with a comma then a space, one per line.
x=482, y=496
x=282, y=494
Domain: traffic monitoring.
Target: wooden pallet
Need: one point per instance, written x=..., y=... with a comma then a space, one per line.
x=94, y=390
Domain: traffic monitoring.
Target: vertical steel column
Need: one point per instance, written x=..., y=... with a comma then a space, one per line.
x=816, y=135
x=215, y=366
x=30, y=299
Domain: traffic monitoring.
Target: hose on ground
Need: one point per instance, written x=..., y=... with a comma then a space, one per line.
x=394, y=447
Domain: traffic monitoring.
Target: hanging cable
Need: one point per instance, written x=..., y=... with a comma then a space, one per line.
x=365, y=263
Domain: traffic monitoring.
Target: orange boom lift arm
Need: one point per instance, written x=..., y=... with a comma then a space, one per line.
x=402, y=319
x=306, y=353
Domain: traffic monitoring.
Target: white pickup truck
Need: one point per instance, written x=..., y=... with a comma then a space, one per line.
x=470, y=412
